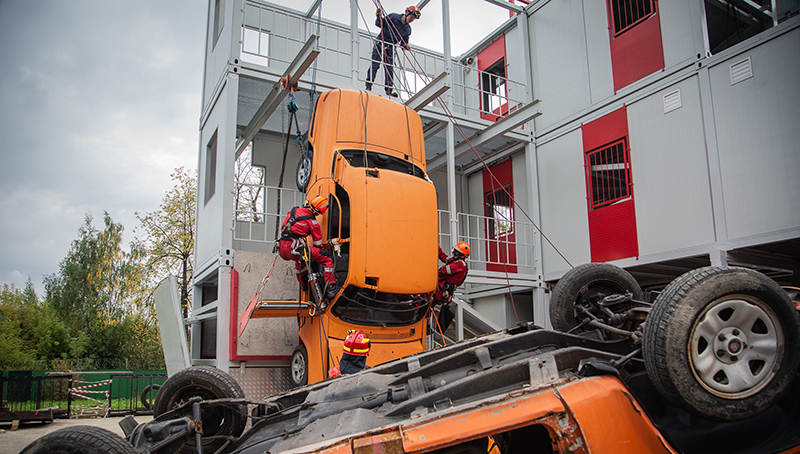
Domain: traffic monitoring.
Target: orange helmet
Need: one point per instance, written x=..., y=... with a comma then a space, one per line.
x=414, y=11
x=462, y=247
x=356, y=343
x=319, y=204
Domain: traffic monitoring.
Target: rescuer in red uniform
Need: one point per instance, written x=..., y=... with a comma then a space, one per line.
x=451, y=275
x=299, y=223
x=354, y=354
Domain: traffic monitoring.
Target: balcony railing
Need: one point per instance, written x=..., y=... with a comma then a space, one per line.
x=510, y=252
x=270, y=37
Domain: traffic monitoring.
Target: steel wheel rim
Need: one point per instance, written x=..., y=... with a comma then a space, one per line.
x=298, y=367
x=735, y=346
x=304, y=171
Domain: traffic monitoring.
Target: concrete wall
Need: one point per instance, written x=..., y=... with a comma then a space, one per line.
x=266, y=336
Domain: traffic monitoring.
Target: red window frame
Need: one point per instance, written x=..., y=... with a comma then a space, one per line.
x=608, y=174
x=622, y=24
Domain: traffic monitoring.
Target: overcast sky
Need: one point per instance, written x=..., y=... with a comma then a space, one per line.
x=100, y=101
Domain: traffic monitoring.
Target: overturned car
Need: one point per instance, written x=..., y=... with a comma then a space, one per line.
x=710, y=366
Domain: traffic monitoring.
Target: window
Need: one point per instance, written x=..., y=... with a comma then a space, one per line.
x=609, y=174
x=493, y=87
x=255, y=46
x=219, y=18
x=493, y=81
x=211, y=168
x=498, y=206
x=626, y=14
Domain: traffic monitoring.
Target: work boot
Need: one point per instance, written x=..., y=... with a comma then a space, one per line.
x=330, y=291
x=391, y=93
x=369, y=86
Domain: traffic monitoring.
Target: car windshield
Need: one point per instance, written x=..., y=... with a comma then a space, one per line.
x=356, y=158
x=369, y=307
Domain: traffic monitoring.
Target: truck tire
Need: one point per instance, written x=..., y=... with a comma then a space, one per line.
x=80, y=440
x=207, y=383
x=585, y=286
x=720, y=342
x=299, y=366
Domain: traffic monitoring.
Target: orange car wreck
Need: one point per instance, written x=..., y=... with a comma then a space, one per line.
x=632, y=377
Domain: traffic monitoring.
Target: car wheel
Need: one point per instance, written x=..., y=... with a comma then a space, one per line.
x=80, y=440
x=593, y=291
x=721, y=342
x=299, y=367
x=304, y=171
x=208, y=383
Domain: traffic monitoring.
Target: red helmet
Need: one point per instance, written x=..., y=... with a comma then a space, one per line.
x=414, y=11
x=319, y=204
x=462, y=247
x=356, y=343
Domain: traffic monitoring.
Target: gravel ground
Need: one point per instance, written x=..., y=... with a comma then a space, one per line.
x=12, y=442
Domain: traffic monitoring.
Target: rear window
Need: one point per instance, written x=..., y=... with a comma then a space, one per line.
x=372, y=159
x=370, y=307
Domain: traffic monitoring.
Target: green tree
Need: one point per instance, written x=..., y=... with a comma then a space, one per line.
x=15, y=350
x=169, y=234
x=98, y=285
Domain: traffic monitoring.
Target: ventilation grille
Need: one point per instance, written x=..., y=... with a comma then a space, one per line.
x=740, y=71
x=672, y=101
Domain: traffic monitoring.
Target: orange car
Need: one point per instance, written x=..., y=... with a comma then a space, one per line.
x=368, y=157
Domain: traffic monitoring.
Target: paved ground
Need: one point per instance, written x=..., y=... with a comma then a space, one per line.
x=12, y=442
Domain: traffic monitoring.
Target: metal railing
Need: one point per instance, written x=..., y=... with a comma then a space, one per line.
x=259, y=218
x=512, y=251
x=270, y=37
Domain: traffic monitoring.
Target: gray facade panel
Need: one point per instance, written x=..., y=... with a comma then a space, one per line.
x=670, y=171
x=211, y=218
x=562, y=199
x=557, y=35
x=759, y=138
x=598, y=50
x=677, y=31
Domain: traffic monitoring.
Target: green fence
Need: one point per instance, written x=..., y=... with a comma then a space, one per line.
x=74, y=393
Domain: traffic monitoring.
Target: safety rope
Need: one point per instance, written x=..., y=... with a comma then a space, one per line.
x=417, y=69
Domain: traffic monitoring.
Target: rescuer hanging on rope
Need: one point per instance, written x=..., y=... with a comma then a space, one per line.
x=452, y=274
x=354, y=354
x=299, y=223
x=395, y=29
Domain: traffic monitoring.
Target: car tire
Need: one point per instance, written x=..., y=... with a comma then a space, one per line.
x=303, y=173
x=80, y=440
x=208, y=383
x=720, y=342
x=585, y=285
x=299, y=366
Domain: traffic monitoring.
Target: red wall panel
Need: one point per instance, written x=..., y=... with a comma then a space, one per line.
x=501, y=249
x=637, y=52
x=612, y=229
x=612, y=232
